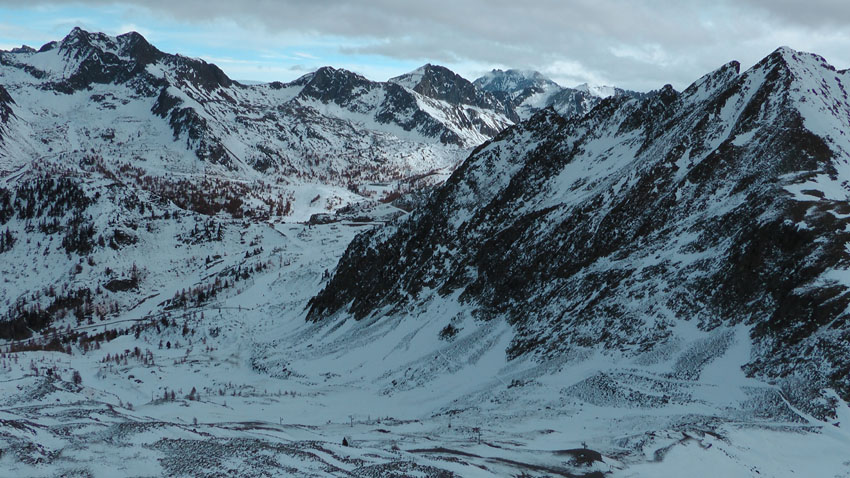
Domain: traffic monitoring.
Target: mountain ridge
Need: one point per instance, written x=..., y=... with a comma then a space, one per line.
x=361, y=128
x=583, y=203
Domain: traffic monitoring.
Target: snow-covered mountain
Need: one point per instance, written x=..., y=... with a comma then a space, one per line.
x=204, y=278
x=649, y=231
x=527, y=92
x=123, y=99
x=513, y=81
x=106, y=143
x=605, y=91
x=442, y=84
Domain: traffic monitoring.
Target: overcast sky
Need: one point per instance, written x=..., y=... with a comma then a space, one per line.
x=638, y=44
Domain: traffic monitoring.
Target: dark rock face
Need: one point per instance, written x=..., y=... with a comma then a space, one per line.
x=348, y=90
x=329, y=84
x=100, y=59
x=186, y=122
x=442, y=84
x=400, y=107
x=712, y=206
x=95, y=58
x=6, y=103
x=6, y=112
x=137, y=47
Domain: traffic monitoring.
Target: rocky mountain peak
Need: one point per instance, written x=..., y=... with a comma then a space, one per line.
x=23, y=49
x=717, y=79
x=135, y=46
x=717, y=204
x=334, y=111
x=333, y=84
x=80, y=42
x=441, y=83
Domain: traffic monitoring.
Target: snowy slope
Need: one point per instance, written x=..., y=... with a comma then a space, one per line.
x=602, y=91
x=715, y=207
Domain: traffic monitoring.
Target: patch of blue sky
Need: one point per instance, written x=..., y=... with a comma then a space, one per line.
x=244, y=52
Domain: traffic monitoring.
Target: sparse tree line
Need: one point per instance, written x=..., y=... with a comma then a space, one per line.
x=58, y=204
x=25, y=316
x=145, y=358
x=43, y=196
x=209, y=231
x=202, y=294
x=209, y=195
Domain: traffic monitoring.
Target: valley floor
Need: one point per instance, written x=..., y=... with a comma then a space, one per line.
x=243, y=386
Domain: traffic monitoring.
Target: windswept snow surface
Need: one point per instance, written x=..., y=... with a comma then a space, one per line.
x=597, y=90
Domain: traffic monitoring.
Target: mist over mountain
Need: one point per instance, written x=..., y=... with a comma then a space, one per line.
x=528, y=92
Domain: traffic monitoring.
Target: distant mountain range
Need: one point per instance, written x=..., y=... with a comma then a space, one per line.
x=122, y=98
x=331, y=125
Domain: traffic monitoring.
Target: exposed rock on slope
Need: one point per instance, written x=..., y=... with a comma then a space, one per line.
x=6, y=112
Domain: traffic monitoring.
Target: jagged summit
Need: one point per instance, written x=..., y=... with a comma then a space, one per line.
x=331, y=84
x=83, y=58
x=526, y=92
x=412, y=79
x=23, y=49
x=440, y=83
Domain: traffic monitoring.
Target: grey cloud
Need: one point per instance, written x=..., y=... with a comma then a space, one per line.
x=818, y=14
x=640, y=44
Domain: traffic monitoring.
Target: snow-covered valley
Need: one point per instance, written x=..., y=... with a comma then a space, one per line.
x=242, y=385
x=340, y=277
